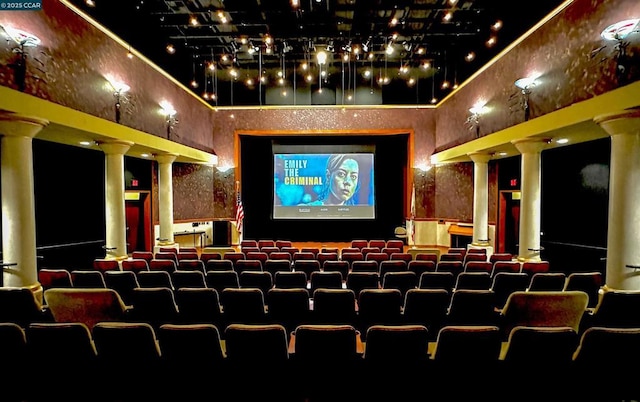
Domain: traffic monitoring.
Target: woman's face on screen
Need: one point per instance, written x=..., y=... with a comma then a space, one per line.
x=344, y=181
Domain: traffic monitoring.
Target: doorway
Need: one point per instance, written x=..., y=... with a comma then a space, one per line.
x=138, y=217
x=509, y=222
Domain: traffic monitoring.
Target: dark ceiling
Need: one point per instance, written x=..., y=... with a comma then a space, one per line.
x=429, y=48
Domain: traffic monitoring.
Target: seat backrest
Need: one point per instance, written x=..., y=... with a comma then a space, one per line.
x=280, y=255
x=166, y=264
x=243, y=265
x=359, y=243
x=547, y=281
x=198, y=306
x=336, y=266
x=472, y=307
x=266, y=243
x=88, y=306
x=54, y=278
x=104, y=264
x=219, y=265
x=14, y=356
x=188, y=279
x=609, y=346
x=505, y=283
x=364, y=266
x=379, y=243
x=122, y=282
x=127, y=344
x=473, y=280
x=256, y=344
x=276, y=265
x=154, y=279
x=166, y=255
x=588, y=282
x=307, y=266
x=451, y=257
x=256, y=279
x=470, y=344
x=530, y=345
x=191, y=265
x=426, y=307
x=395, y=243
x=357, y=281
x=205, y=257
x=391, y=266
x=220, y=280
x=455, y=267
x=243, y=306
x=290, y=280
x=613, y=310
x=283, y=243
x=288, y=307
x=403, y=281
x=154, y=306
x=185, y=346
x=397, y=344
x=420, y=266
x=506, y=266
x=144, y=255
x=325, y=279
x=184, y=255
x=427, y=257
x=478, y=266
x=437, y=280
x=532, y=267
x=543, y=309
x=87, y=279
x=334, y=306
x=320, y=344
x=500, y=257
x=379, y=307
x=322, y=257
x=70, y=342
x=135, y=264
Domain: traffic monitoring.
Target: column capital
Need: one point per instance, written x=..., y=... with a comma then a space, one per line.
x=622, y=122
x=480, y=157
x=165, y=157
x=115, y=147
x=531, y=145
x=15, y=125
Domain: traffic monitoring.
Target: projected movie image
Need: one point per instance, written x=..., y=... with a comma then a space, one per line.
x=317, y=186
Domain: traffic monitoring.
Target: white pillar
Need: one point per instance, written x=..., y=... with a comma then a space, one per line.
x=18, y=206
x=116, y=221
x=623, y=233
x=480, y=199
x=529, y=237
x=165, y=198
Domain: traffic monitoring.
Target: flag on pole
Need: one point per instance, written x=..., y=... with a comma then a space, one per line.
x=413, y=215
x=239, y=211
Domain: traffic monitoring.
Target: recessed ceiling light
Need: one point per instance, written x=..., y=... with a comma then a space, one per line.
x=502, y=154
x=85, y=143
x=562, y=140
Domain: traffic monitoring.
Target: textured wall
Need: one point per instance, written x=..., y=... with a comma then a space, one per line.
x=561, y=52
x=73, y=61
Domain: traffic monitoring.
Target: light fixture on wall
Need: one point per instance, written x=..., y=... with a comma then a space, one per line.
x=23, y=40
x=473, y=121
x=168, y=111
x=525, y=86
x=619, y=33
x=119, y=93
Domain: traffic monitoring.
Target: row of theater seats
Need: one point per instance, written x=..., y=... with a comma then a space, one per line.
x=501, y=285
x=122, y=361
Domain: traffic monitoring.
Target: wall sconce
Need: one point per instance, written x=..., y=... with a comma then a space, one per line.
x=473, y=121
x=23, y=40
x=119, y=91
x=525, y=85
x=169, y=113
x=618, y=33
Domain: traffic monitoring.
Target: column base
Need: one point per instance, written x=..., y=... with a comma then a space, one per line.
x=529, y=259
x=168, y=244
x=485, y=246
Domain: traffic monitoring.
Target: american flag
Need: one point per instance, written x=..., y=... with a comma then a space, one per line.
x=239, y=213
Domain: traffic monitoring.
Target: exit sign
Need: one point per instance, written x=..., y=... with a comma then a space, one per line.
x=513, y=182
x=134, y=182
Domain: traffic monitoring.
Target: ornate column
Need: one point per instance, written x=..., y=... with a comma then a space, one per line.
x=116, y=221
x=480, y=199
x=529, y=237
x=18, y=207
x=623, y=233
x=165, y=198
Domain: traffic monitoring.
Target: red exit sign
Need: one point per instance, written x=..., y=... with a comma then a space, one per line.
x=134, y=182
x=513, y=182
